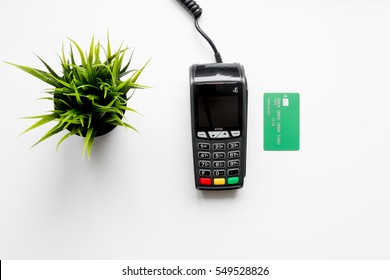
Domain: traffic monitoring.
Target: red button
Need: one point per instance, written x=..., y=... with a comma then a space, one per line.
x=205, y=181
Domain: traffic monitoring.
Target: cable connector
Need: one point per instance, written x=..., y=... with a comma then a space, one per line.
x=218, y=57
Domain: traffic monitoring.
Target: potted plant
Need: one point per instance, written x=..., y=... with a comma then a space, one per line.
x=90, y=95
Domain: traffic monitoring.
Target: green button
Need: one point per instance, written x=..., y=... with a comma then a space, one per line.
x=233, y=180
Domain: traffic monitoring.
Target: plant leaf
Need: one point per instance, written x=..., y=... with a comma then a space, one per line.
x=89, y=141
x=138, y=73
x=43, y=76
x=66, y=136
x=43, y=120
x=82, y=56
x=49, y=68
x=57, y=128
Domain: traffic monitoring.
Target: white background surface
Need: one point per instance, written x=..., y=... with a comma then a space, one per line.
x=135, y=198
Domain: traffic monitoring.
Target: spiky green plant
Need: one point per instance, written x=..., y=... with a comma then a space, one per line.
x=90, y=96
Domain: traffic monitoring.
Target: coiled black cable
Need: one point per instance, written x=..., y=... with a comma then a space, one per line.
x=195, y=10
x=192, y=7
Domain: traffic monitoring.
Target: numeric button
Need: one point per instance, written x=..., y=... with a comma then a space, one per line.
x=203, y=146
x=219, y=146
x=219, y=164
x=233, y=163
x=233, y=145
x=204, y=155
x=204, y=163
x=219, y=173
x=234, y=154
x=219, y=155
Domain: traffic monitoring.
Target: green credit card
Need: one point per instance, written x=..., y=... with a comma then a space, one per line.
x=281, y=121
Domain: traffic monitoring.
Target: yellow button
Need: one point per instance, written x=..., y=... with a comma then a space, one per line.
x=219, y=181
